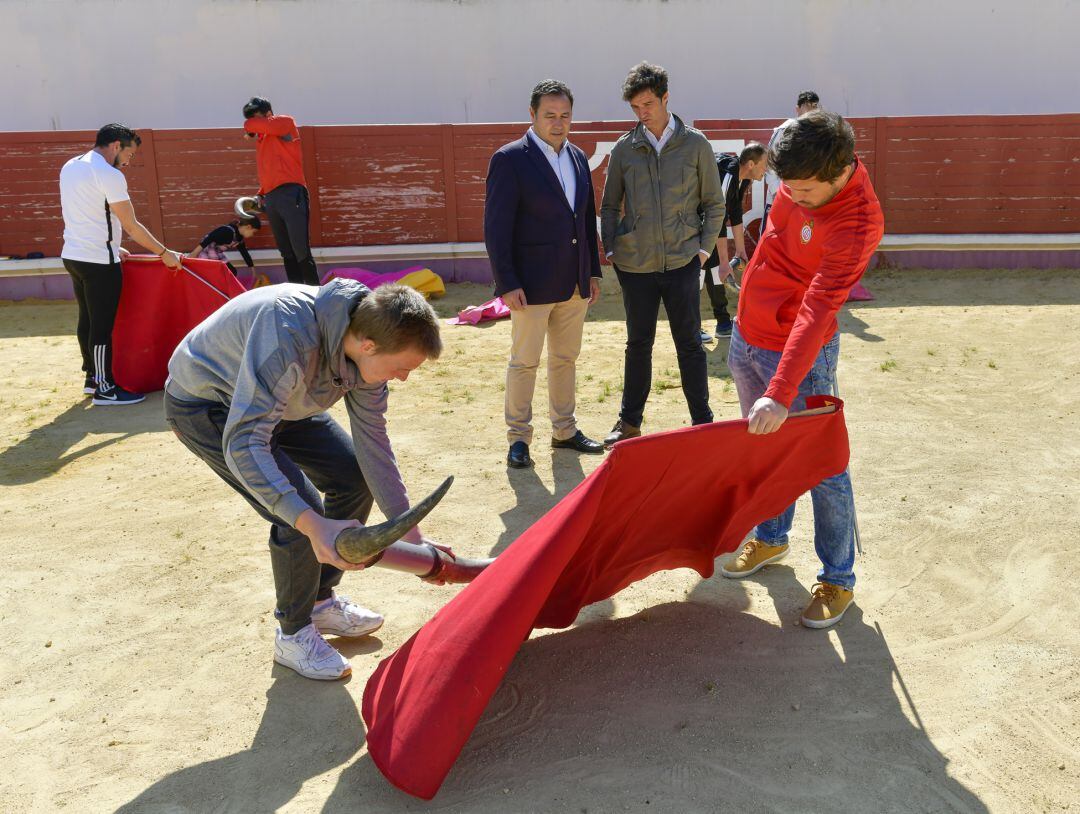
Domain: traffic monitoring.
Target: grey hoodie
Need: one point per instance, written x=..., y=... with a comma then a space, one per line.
x=276, y=354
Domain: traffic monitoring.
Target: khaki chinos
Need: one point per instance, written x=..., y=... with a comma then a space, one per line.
x=562, y=324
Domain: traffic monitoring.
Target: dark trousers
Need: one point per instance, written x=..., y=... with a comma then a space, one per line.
x=681, y=294
x=97, y=291
x=287, y=210
x=717, y=298
x=316, y=455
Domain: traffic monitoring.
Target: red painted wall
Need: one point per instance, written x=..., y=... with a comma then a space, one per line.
x=401, y=184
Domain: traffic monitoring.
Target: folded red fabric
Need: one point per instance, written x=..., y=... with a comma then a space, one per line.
x=670, y=500
x=158, y=307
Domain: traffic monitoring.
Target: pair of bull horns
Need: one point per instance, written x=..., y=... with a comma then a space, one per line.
x=357, y=545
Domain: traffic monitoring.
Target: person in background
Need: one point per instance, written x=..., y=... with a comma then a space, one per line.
x=282, y=186
x=540, y=231
x=659, y=174
x=736, y=175
x=805, y=102
x=229, y=237
x=96, y=205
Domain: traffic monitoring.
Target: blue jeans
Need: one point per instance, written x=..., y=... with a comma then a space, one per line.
x=752, y=368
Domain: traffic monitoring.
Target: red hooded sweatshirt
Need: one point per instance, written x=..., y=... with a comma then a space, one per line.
x=277, y=154
x=800, y=275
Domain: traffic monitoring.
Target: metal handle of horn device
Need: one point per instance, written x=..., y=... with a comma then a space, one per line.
x=431, y=563
x=361, y=544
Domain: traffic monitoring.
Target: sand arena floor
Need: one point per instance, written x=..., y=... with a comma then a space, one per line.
x=136, y=613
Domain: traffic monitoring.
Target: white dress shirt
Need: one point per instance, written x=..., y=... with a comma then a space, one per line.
x=665, y=137
x=561, y=164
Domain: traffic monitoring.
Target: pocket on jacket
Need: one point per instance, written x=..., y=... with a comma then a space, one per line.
x=626, y=247
x=691, y=229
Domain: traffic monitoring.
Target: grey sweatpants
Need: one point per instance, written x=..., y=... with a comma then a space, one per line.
x=316, y=455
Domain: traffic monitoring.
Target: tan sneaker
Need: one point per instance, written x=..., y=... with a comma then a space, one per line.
x=754, y=556
x=828, y=605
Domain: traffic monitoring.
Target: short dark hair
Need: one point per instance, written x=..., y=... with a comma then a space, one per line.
x=807, y=97
x=819, y=144
x=751, y=152
x=645, y=76
x=116, y=132
x=549, y=87
x=257, y=104
x=396, y=317
x=252, y=221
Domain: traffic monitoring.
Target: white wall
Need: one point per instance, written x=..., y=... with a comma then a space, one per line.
x=73, y=64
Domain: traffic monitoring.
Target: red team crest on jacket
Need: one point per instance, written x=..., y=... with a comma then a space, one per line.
x=807, y=231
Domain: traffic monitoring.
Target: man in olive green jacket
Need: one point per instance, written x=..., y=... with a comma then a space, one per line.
x=658, y=174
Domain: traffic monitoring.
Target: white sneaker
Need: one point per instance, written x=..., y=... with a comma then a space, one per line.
x=337, y=616
x=308, y=653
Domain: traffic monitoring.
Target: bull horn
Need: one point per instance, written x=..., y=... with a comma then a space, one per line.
x=358, y=545
x=247, y=206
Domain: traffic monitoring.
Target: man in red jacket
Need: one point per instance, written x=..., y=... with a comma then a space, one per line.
x=823, y=229
x=282, y=186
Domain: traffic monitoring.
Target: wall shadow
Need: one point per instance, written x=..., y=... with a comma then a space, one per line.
x=970, y=287
x=694, y=706
x=47, y=448
x=26, y=319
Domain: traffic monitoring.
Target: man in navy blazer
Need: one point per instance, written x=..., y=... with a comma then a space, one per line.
x=540, y=231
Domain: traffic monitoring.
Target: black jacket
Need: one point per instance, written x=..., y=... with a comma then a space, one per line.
x=728, y=165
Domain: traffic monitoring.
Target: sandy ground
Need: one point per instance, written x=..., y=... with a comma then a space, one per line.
x=136, y=624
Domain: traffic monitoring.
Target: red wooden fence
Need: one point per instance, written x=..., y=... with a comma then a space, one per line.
x=402, y=184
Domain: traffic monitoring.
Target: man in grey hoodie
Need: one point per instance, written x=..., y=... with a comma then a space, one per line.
x=248, y=392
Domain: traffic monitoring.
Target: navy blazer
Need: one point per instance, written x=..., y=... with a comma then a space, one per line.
x=534, y=240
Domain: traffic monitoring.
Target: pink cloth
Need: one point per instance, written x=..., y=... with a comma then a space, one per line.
x=859, y=293
x=369, y=278
x=474, y=314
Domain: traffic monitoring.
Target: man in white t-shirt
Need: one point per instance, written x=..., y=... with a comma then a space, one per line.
x=96, y=205
x=807, y=100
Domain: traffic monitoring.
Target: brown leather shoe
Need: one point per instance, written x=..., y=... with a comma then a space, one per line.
x=620, y=432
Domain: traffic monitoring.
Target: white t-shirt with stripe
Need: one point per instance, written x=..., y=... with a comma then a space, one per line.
x=772, y=180
x=88, y=184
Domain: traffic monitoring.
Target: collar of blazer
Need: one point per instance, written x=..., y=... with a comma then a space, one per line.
x=545, y=169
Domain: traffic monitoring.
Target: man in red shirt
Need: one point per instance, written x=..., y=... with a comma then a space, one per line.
x=282, y=186
x=823, y=229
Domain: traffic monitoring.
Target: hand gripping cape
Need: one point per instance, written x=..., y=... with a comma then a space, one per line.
x=670, y=500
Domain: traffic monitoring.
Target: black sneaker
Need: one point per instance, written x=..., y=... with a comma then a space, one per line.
x=723, y=330
x=108, y=395
x=89, y=386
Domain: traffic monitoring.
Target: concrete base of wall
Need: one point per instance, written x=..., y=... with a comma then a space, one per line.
x=467, y=263
x=49, y=285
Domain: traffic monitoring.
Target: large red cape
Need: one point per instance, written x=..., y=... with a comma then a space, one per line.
x=158, y=307
x=671, y=500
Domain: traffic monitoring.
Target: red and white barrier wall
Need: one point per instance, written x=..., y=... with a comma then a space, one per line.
x=404, y=193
